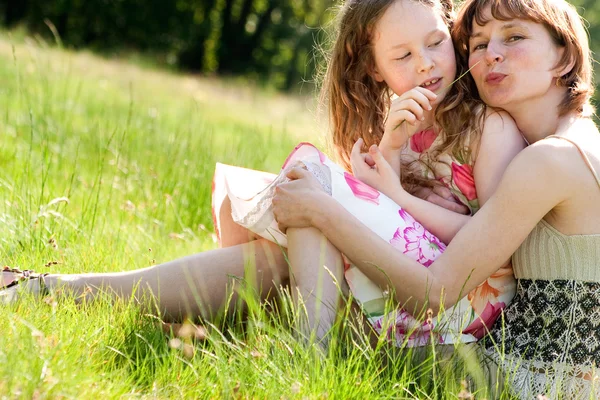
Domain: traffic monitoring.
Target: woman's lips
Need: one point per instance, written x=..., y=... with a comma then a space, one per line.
x=494, y=78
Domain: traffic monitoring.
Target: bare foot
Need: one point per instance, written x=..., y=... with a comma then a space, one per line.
x=8, y=277
x=187, y=330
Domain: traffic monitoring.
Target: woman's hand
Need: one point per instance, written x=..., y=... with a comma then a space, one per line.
x=296, y=203
x=405, y=117
x=372, y=169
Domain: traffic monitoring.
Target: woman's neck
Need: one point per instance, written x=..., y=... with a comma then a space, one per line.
x=539, y=117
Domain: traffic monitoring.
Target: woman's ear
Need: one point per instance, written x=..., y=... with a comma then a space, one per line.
x=565, y=69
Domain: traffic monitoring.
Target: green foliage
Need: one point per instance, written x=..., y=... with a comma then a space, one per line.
x=261, y=39
x=274, y=41
x=590, y=11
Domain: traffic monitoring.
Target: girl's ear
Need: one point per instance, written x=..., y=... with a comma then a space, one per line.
x=376, y=75
x=374, y=72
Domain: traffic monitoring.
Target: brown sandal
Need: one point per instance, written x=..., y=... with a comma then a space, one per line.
x=10, y=289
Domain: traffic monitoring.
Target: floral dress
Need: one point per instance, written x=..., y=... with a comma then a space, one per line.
x=251, y=193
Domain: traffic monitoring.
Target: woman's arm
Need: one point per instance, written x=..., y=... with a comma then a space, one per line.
x=533, y=184
x=500, y=142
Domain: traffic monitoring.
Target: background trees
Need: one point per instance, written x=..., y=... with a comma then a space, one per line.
x=262, y=39
x=265, y=40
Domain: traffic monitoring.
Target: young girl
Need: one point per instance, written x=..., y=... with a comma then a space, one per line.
x=434, y=128
x=532, y=58
x=402, y=47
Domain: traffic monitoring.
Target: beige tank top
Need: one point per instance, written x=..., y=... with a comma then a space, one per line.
x=549, y=254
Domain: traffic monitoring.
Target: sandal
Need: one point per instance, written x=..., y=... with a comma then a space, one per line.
x=11, y=287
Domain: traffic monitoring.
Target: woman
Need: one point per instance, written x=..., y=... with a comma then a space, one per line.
x=532, y=59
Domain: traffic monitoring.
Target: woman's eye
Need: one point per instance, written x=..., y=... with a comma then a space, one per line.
x=480, y=46
x=515, y=38
x=404, y=56
x=436, y=44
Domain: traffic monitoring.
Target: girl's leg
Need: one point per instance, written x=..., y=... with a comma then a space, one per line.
x=197, y=285
x=231, y=233
x=316, y=279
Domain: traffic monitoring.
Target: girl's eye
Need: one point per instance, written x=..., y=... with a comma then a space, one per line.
x=404, y=56
x=436, y=44
x=480, y=46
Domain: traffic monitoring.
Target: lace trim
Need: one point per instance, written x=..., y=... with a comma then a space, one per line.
x=528, y=379
x=260, y=216
x=322, y=173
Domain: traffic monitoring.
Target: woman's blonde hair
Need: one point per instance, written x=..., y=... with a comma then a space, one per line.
x=565, y=27
x=358, y=104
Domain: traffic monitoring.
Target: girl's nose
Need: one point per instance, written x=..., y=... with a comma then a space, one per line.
x=426, y=63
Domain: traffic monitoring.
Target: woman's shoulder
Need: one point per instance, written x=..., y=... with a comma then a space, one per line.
x=580, y=137
x=551, y=156
x=559, y=152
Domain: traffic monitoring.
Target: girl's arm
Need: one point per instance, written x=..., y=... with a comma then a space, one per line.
x=403, y=121
x=500, y=142
x=533, y=185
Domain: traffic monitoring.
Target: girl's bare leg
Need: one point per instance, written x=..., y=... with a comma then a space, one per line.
x=232, y=234
x=316, y=279
x=197, y=285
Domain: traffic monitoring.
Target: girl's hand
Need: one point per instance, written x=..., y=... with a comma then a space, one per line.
x=297, y=202
x=372, y=169
x=442, y=196
x=405, y=116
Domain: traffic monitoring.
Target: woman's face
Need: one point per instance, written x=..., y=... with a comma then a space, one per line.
x=412, y=47
x=512, y=62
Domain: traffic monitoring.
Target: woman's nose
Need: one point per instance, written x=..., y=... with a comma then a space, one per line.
x=493, y=54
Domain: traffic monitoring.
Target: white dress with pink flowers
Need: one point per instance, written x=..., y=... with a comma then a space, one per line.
x=251, y=193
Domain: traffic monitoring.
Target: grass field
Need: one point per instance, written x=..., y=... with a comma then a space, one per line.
x=107, y=166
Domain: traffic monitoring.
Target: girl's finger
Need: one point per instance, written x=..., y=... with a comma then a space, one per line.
x=444, y=192
x=296, y=173
x=412, y=106
x=282, y=227
x=403, y=115
x=426, y=92
x=420, y=95
x=357, y=146
x=355, y=154
x=378, y=158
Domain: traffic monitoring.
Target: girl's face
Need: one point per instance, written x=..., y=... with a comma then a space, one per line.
x=513, y=62
x=412, y=47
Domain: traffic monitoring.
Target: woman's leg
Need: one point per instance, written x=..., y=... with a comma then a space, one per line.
x=197, y=285
x=316, y=279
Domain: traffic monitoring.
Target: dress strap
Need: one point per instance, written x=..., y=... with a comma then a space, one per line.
x=585, y=157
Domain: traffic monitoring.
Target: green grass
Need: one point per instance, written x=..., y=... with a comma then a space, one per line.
x=107, y=166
